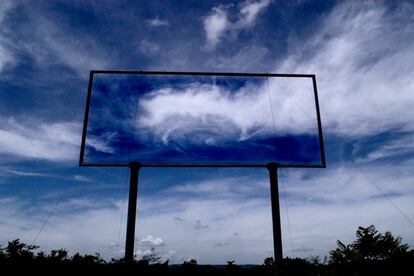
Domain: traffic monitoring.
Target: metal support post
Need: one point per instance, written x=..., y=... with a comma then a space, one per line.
x=277, y=230
x=132, y=210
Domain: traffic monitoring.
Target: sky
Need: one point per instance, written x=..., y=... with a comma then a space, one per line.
x=362, y=56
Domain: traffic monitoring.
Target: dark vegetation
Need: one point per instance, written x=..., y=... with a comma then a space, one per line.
x=372, y=253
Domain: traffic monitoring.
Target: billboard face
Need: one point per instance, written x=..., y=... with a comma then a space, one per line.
x=201, y=119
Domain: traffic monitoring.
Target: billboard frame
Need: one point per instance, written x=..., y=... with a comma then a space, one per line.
x=82, y=162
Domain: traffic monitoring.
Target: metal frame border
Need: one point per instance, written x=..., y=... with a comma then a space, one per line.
x=202, y=165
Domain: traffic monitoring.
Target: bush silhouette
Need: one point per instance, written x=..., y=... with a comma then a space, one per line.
x=372, y=253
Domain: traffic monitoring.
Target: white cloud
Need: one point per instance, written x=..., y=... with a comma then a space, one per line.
x=149, y=48
x=156, y=22
x=55, y=141
x=361, y=56
x=151, y=241
x=169, y=255
x=215, y=25
x=174, y=113
x=140, y=253
x=101, y=143
x=249, y=11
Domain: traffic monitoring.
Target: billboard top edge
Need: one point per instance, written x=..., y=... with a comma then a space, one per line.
x=188, y=73
x=196, y=165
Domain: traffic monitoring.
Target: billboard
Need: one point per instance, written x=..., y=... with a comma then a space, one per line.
x=199, y=119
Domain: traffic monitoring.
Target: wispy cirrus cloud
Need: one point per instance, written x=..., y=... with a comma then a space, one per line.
x=364, y=78
x=75, y=50
x=54, y=141
x=52, y=43
x=9, y=171
x=394, y=145
x=237, y=115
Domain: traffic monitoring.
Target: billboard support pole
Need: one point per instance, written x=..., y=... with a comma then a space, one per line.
x=132, y=210
x=277, y=230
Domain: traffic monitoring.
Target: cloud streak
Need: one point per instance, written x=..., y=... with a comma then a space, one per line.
x=157, y=22
x=55, y=141
x=51, y=44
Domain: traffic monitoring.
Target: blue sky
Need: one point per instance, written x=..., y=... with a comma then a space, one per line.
x=202, y=119
x=361, y=54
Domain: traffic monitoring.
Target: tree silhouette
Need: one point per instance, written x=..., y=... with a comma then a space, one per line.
x=58, y=255
x=369, y=245
x=269, y=262
x=190, y=263
x=189, y=267
x=372, y=253
x=17, y=250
